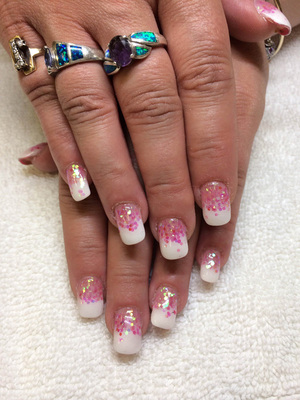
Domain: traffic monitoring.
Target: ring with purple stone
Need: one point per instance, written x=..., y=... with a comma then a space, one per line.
x=23, y=56
x=121, y=50
x=62, y=55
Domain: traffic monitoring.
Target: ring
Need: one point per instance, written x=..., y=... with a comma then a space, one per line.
x=121, y=50
x=23, y=56
x=62, y=55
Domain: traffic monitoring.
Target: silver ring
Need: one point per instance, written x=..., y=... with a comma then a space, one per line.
x=62, y=55
x=23, y=56
x=121, y=50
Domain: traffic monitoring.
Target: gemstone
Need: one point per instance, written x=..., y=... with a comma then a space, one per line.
x=76, y=52
x=120, y=51
x=141, y=51
x=146, y=36
x=23, y=51
x=62, y=54
x=48, y=58
x=109, y=69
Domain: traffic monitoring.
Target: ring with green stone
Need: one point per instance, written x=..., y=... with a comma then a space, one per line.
x=121, y=50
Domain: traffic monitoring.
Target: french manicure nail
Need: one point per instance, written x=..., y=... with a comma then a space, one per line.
x=172, y=239
x=128, y=331
x=273, y=15
x=90, y=297
x=164, y=308
x=210, y=266
x=215, y=200
x=29, y=154
x=130, y=223
x=77, y=181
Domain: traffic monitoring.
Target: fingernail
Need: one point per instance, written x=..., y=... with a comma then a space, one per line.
x=210, y=266
x=130, y=223
x=164, y=309
x=77, y=181
x=128, y=331
x=273, y=15
x=172, y=239
x=90, y=297
x=29, y=154
x=215, y=200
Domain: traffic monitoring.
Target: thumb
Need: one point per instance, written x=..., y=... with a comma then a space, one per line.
x=254, y=20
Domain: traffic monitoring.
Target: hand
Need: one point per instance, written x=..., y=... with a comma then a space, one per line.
x=125, y=280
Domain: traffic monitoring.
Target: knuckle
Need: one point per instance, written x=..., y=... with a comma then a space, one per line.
x=85, y=106
x=153, y=105
x=210, y=74
x=212, y=148
x=39, y=91
x=172, y=188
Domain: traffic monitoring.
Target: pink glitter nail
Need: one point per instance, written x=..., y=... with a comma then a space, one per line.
x=128, y=331
x=130, y=224
x=172, y=238
x=90, y=297
x=77, y=181
x=273, y=15
x=210, y=266
x=215, y=200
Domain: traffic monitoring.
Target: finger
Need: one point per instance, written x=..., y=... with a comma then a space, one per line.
x=127, y=311
x=40, y=157
x=85, y=235
x=87, y=100
x=148, y=97
x=215, y=243
x=169, y=285
x=202, y=60
x=253, y=21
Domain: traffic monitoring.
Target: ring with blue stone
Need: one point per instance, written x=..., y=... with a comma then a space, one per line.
x=23, y=56
x=61, y=55
x=121, y=50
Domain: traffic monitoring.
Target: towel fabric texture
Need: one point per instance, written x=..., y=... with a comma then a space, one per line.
x=237, y=339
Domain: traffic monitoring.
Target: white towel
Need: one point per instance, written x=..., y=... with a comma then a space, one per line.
x=239, y=339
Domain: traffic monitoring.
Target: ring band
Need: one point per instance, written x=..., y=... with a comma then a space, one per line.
x=23, y=56
x=121, y=50
x=271, y=47
x=62, y=55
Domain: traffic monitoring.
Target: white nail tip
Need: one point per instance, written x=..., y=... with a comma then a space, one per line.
x=127, y=332
x=77, y=181
x=216, y=206
x=130, y=223
x=210, y=266
x=90, y=298
x=273, y=15
x=164, y=309
x=172, y=239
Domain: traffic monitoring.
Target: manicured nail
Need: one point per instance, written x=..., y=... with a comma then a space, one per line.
x=210, y=266
x=164, y=308
x=29, y=154
x=128, y=331
x=130, y=223
x=273, y=15
x=90, y=297
x=172, y=239
x=77, y=180
x=215, y=200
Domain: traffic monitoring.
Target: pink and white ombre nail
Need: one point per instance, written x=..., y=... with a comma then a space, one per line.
x=273, y=15
x=164, y=309
x=130, y=223
x=90, y=297
x=28, y=155
x=77, y=181
x=128, y=331
x=172, y=239
x=215, y=200
x=210, y=266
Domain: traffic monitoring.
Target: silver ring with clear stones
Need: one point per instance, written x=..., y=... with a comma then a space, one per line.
x=121, y=50
x=23, y=56
x=62, y=54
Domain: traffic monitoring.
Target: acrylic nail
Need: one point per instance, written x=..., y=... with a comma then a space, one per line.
x=172, y=239
x=164, y=309
x=28, y=155
x=215, y=201
x=77, y=181
x=210, y=266
x=273, y=15
x=90, y=297
x=130, y=223
x=127, y=331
